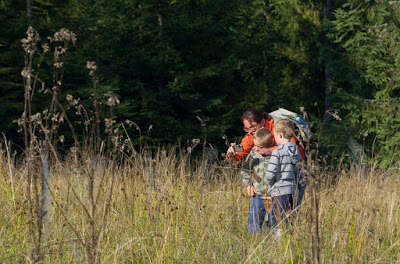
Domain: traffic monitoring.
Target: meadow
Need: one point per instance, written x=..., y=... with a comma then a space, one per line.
x=161, y=206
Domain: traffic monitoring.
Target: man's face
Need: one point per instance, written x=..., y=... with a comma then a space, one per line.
x=250, y=127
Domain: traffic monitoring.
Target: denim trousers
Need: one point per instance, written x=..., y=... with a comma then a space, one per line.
x=280, y=205
x=256, y=215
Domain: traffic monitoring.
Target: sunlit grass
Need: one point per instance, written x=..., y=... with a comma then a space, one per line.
x=164, y=210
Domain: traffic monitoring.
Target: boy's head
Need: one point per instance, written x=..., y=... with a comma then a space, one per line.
x=283, y=131
x=262, y=139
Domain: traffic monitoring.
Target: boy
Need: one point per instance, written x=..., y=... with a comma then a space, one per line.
x=281, y=172
x=256, y=163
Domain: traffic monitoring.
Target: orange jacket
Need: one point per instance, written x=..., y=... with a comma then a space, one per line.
x=248, y=143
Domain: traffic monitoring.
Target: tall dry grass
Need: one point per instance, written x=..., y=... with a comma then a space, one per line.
x=164, y=211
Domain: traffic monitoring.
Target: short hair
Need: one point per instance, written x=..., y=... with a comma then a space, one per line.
x=285, y=127
x=253, y=115
x=264, y=136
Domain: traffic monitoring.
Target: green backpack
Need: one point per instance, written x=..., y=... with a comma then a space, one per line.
x=302, y=130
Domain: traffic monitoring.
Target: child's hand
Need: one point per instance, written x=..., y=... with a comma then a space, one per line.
x=251, y=191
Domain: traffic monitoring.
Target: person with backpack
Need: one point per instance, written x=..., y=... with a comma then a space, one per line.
x=252, y=121
x=252, y=174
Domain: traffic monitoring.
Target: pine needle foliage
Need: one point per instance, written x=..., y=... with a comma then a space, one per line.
x=368, y=33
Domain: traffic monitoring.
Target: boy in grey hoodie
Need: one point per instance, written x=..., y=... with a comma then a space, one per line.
x=282, y=170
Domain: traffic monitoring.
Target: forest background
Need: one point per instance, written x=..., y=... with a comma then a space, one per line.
x=174, y=63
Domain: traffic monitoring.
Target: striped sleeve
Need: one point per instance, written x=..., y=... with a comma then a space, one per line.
x=270, y=175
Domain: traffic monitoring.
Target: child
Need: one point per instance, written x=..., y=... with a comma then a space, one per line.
x=282, y=170
x=257, y=162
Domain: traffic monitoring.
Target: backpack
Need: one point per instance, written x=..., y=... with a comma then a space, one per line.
x=302, y=131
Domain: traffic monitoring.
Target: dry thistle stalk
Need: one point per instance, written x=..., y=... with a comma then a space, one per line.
x=112, y=100
x=39, y=131
x=91, y=66
x=30, y=42
x=109, y=122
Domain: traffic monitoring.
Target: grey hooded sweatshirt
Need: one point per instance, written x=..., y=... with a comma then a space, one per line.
x=282, y=170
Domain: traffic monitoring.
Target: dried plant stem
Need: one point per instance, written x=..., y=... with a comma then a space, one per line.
x=37, y=74
x=132, y=148
x=49, y=144
x=33, y=208
x=74, y=135
x=315, y=233
x=29, y=140
x=25, y=115
x=45, y=216
x=10, y=168
x=69, y=223
x=96, y=112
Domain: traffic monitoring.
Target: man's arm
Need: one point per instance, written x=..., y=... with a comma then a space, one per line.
x=247, y=143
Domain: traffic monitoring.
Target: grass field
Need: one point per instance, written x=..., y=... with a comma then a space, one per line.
x=163, y=210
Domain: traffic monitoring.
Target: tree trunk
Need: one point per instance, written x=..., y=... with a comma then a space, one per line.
x=327, y=60
x=160, y=24
x=28, y=11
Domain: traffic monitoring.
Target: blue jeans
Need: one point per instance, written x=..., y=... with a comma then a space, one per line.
x=280, y=204
x=256, y=215
x=301, y=187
